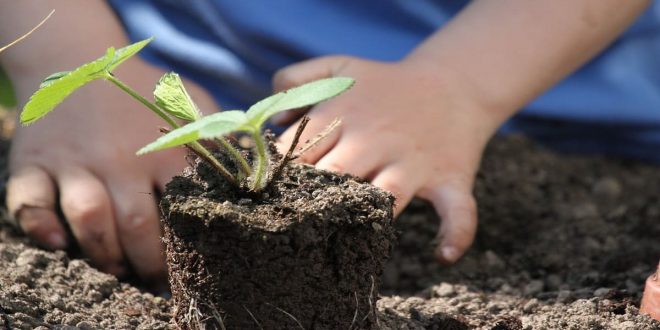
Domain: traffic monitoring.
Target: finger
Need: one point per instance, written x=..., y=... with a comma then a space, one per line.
x=30, y=201
x=306, y=71
x=350, y=156
x=317, y=123
x=87, y=207
x=399, y=181
x=458, y=211
x=174, y=163
x=138, y=228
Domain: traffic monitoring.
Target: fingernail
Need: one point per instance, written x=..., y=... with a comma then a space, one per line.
x=449, y=253
x=56, y=241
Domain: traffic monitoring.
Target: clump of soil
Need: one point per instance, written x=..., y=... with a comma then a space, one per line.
x=564, y=242
x=306, y=253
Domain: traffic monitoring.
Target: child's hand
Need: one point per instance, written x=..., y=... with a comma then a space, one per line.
x=409, y=131
x=418, y=127
x=81, y=160
x=77, y=167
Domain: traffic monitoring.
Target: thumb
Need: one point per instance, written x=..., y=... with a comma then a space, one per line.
x=301, y=73
x=458, y=210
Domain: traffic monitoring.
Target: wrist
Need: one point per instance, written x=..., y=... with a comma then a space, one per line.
x=467, y=95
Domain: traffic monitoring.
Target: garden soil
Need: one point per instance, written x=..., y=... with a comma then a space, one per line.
x=564, y=242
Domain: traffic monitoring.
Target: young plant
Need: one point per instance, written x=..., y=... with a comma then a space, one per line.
x=172, y=102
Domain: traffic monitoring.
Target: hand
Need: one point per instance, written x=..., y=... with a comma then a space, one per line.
x=409, y=131
x=81, y=159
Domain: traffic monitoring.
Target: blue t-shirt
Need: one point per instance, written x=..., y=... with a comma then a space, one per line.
x=611, y=105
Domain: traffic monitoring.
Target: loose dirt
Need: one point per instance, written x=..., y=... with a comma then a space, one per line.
x=564, y=243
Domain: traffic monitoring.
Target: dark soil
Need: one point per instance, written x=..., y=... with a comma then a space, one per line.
x=563, y=243
x=306, y=253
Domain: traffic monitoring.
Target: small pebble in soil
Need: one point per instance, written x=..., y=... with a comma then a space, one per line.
x=601, y=292
x=564, y=296
x=607, y=188
x=533, y=287
x=584, y=211
x=444, y=290
x=553, y=282
x=493, y=261
x=531, y=305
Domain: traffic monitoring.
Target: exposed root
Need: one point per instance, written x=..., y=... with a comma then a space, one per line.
x=216, y=316
x=193, y=316
x=371, y=299
x=289, y=315
x=357, y=310
x=253, y=318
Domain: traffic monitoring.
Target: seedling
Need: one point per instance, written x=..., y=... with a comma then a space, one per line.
x=172, y=102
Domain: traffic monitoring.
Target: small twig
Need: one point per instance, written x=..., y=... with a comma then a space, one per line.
x=289, y=154
x=29, y=32
x=318, y=138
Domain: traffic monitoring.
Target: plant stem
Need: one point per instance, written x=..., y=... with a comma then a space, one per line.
x=237, y=157
x=195, y=146
x=261, y=166
x=142, y=100
x=206, y=155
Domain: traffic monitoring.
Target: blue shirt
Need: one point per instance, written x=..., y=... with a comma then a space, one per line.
x=611, y=105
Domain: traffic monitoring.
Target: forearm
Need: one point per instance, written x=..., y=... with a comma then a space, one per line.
x=78, y=31
x=507, y=52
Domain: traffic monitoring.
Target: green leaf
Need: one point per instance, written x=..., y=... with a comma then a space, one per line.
x=50, y=79
x=297, y=97
x=171, y=95
x=122, y=54
x=212, y=126
x=54, y=92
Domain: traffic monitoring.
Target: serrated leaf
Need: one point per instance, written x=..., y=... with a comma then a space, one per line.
x=124, y=53
x=298, y=97
x=212, y=126
x=171, y=96
x=47, y=98
x=50, y=79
